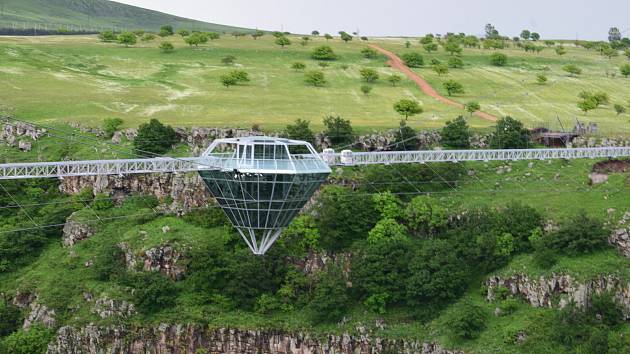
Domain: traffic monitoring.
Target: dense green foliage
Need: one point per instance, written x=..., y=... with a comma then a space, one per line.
x=154, y=138
x=509, y=133
x=456, y=134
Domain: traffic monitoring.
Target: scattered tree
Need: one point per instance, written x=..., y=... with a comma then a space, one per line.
x=572, y=69
x=166, y=31
x=366, y=89
x=304, y=41
x=586, y=105
x=453, y=47
x=466, y=321
x=228, y=80
x=369, y=75
x=283, y=41
x=509, y=133
x=257, y=34
x=127, y=38
x=330, y=297
x=167, y=47
x=315, y=78
x=394, y=79
x=407, y=107
x=338, y=130
x=213, y=35
x=440, y=69
x=498, y=59
x=430, y=47
x=456, y=134
x=315, y=33
x=345, y=36
x=614, y=35
x=407, y=44
x=405, y=138
x=472, y=107
x=625, y=70
x=453, y=87
x=323, y=52
x=154, y=138
x=147, y=37
x=299, y=130
x=196, y=39
x=183, y=32
x=328, y=36
x=526, y=34
x=535, y=36
x=413, y=60
x=455, y=62
x=107, y=36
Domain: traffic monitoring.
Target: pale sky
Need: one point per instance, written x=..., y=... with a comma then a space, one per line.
x=553, y=19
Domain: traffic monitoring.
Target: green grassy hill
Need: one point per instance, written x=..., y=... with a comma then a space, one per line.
x=92, y=14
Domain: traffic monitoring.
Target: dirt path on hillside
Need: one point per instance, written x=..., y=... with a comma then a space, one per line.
x=397, y=63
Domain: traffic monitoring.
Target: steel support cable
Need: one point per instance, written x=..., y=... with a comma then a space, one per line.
x=18, y=204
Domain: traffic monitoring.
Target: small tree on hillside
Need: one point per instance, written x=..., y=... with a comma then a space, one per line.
x=405, y=138
x=166, y=31
x=330, y=298
x=366, y=89
x=472, y=107
x=525, y=34
x=228, y=80
x=299, y=130
x=430, y=47
x=304, y=41
x=167, y=47
x=407, y=44
x=338, y=130
x=453, y=87
x=455, y=62
x=440, y=69
x=323, y=52
x=369, y=53
x=509, y=133
x=456, y=134
x=183, y=32
x=453, y=48
x=147, y=37
x=257, y=34
x=625, y=70
x=107, y=36
x=283, y=41
x=541, y=79
x=154, y=138
x=394, y=79
x=369, y=75
x=345, y=36
x=498, y=59
x=587, y=104
x=213, y=35
x=328, y=37
x=315, y=78
x=560, y=50
x=535, y=36
x=315, y=33
x=196, y=39
x=127, y=38
x=413, y=60
x=407, y=108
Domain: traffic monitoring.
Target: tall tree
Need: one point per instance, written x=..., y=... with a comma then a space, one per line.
x=282, y=41
x=407, y=107
x=456, y=134
x=299, y=130
x=509, y=133
x=525, y=34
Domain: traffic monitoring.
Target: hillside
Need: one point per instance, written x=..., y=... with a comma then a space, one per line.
x=92, y=15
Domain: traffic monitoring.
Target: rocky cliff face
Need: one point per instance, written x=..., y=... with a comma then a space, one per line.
x=13, y=133
x=559, y=290
x=620, y=237
x=190, y=339
x=167, y=259
x=74, y=231
x=187, y=190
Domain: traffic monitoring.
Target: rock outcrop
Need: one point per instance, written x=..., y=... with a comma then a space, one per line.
x=13, y=133
x=190, y=339
x=620, y=236
x=39, y=314
x=75, y=231
x=106, y=307
x=315, y=262
x=167, y=259
x=186, y=190
x=559, y=290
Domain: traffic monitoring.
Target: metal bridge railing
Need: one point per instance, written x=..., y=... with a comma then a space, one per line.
x=345, y=158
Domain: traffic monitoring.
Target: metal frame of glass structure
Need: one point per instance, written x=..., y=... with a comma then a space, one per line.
x=262, y=183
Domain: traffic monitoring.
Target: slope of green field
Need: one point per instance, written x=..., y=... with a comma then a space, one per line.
x=513, y=89
x=92, y=14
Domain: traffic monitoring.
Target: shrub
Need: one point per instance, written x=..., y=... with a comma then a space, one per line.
x=369, y=53
x=472, y=106
x=508, y=306
x=386, y=230
x=298, y=66
x=366, y=89
x=413, y=60
x=299, y=130
x=330, y=298
x=152, y=291
x=405, y=137
x=437, y=274
x=579, y=235
x=127, y=38
x=107, y=36
x=425, y=216
x=455, y=62
x=111, y=125
x=228, y=59
x=324, y=52
x=167, y=47
x=147, y=37
x=10, y=318
x=572, y=69
x=466, y=321
x=209, y=217
x=498, y=59
x=154, y=138
x=369, y=75
x=541, y=78
x=453, y=87
x=315, y=78
x=33, y=340
x=109, y=262
x=456, y=134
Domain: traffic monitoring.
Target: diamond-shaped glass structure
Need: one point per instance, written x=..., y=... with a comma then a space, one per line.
x=262, y=183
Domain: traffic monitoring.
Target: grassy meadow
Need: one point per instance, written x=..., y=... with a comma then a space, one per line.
x=80, y=79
